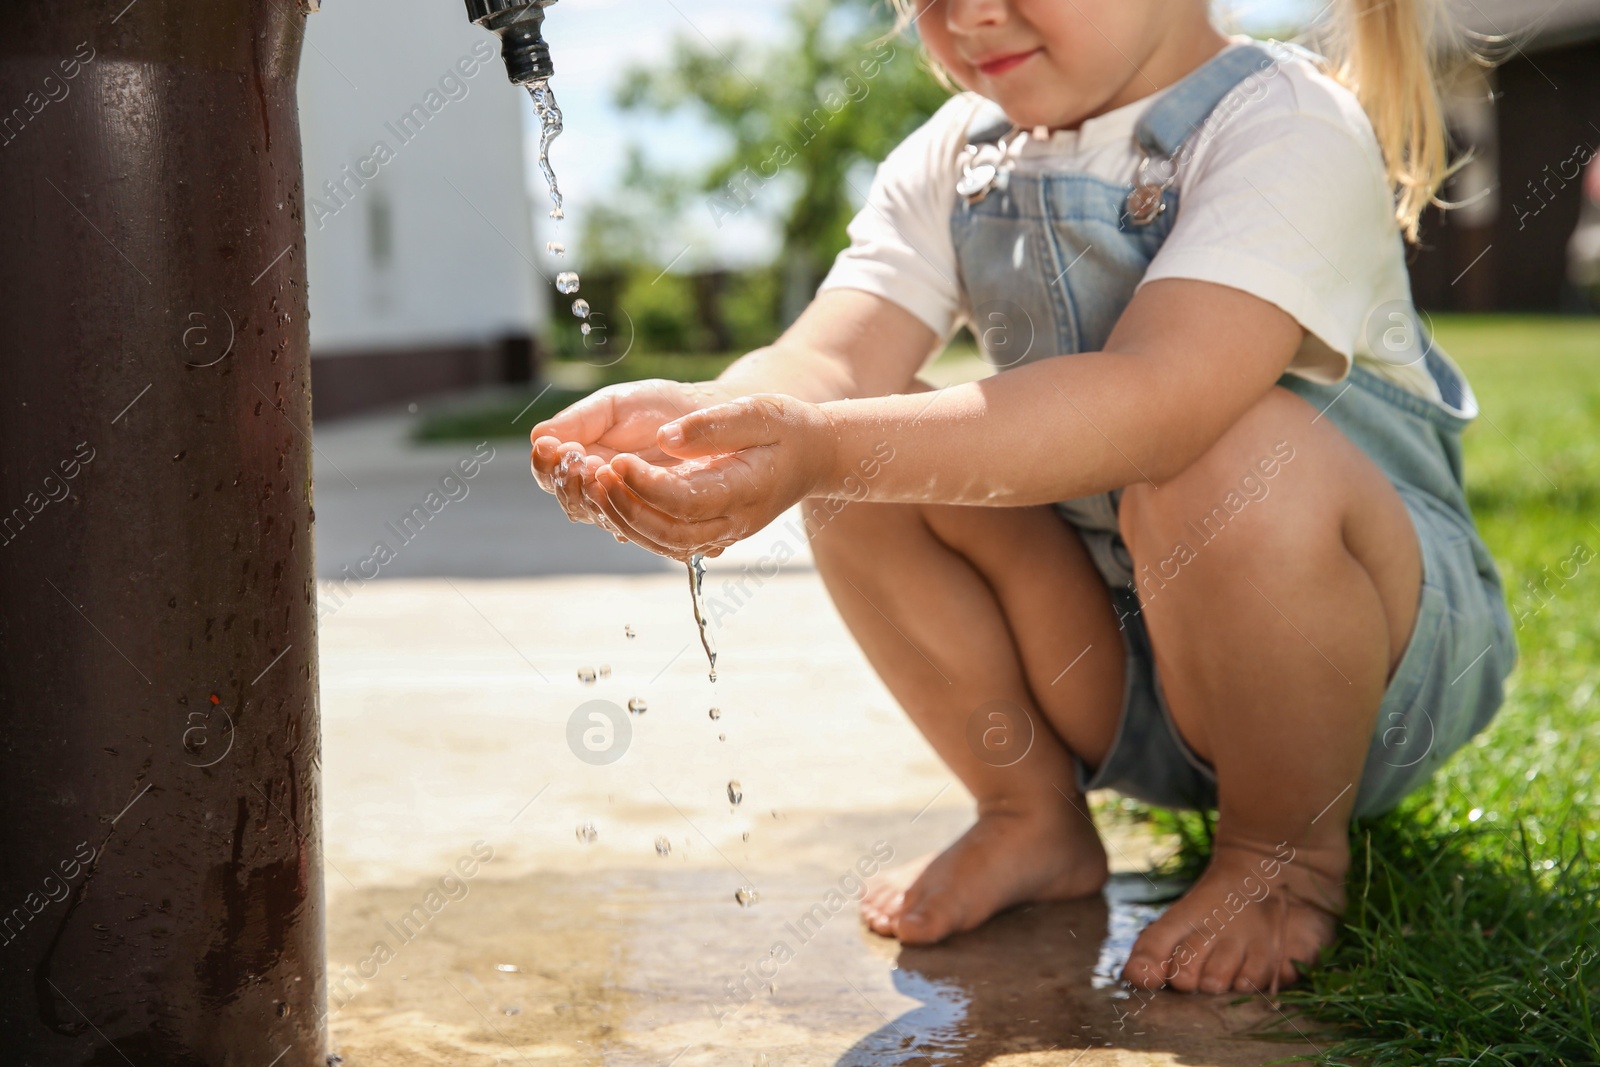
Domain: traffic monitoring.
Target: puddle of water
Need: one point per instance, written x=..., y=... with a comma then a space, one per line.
x=643, y=967
x=1133, y=902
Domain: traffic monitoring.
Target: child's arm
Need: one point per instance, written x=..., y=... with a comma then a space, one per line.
x=1186, y=360
x=848, y=343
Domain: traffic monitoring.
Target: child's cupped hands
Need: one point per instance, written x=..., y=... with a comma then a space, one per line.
x=618, y=418
x=714, y=476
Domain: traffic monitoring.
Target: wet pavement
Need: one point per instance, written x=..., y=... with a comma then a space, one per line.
x=446, y=706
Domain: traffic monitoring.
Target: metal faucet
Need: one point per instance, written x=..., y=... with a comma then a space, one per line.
x=518, y=24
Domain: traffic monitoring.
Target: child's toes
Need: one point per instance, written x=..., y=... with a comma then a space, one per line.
x=924, y=918
x=1261, y=962
x=1152, y=961
x=877, y=911
x=1190, y=962
x=1222, y=966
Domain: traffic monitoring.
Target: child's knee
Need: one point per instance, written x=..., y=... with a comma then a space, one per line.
x=1240, y=496
x=839, y=528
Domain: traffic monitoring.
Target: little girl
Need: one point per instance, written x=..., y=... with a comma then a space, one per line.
x=1203, y=541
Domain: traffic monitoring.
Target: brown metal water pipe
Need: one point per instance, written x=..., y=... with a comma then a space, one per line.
x=161, y=899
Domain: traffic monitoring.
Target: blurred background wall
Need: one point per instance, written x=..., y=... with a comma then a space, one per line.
x=419, y=225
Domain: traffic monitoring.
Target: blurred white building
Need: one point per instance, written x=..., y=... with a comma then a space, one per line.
x=419, y=228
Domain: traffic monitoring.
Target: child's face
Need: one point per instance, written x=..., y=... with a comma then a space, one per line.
x=1057, y=62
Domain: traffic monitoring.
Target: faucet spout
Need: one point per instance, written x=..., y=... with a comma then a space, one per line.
x=519, y=25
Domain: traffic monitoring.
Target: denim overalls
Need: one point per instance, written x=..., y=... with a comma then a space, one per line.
x=1048, y=261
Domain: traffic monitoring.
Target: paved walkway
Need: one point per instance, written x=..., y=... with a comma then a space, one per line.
x=471, y=922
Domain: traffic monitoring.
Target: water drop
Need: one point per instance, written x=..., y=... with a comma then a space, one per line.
x=627, y=631
x=586, y=675
x=555, y=248
x=580, y=308
x=735, y=794
x=549, y=112
x=747, y=835
x=716, y=713
x=605, y=670
x=508, y=968
x=638, y=706
x=584, y=328
x=722, y=737
x=746, y=895
x=663, y=846
x=567, y=282
x=587, y=833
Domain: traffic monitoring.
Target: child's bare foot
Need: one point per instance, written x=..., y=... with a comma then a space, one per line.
x=1240, y=927
x=1051, y=852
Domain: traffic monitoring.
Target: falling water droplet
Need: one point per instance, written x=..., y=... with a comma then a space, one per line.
x=555, y=248
x=663, y=846
x=747, y=835
x=587, y=833
x=580, y=308
x=584, y=328
x=549, y=112
x=722, y=737
x=638, y=706
x=567, y=282
x=735, y=794
x=716, y=713
x=586, y=675
x=746, y=895
x=627, y=631
x=605, y=670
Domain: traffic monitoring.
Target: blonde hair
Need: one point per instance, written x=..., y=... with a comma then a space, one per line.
x=1384, y=52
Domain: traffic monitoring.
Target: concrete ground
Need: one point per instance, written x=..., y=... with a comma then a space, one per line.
x=471, y=922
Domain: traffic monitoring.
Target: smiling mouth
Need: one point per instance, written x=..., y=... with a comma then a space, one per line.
x=1001, y=64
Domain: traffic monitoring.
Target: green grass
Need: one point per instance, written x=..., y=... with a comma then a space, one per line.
x=1474, y=930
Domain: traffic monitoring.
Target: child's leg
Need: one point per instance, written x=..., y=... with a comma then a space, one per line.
x=1274, y=643
x=956, y=607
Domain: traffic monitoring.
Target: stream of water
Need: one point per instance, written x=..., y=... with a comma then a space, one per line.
x=697, y=581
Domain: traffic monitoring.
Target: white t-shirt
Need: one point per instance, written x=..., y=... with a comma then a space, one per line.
x=1283, y=196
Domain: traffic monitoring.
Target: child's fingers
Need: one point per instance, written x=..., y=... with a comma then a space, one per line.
x=571, y=473
x=607, y=504
x=609, y=515
x=730, y=427
x=542, y=460
x=585, y=422
x=682, y=537
x=692, y=495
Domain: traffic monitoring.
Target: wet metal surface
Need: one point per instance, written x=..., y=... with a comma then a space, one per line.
x=160, y=878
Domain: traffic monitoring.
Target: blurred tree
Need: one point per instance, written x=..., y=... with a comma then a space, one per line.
x=805, y=121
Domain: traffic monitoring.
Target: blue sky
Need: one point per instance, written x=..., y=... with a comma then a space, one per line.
x=593, y=41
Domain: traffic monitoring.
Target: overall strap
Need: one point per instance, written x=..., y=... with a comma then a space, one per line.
x=1168, y=122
